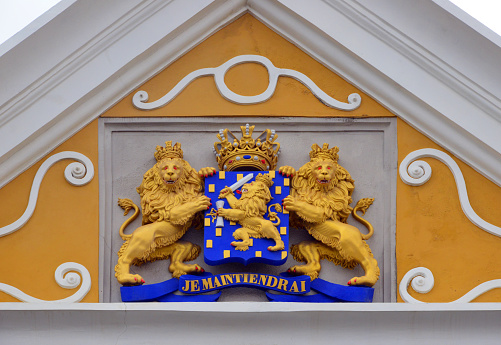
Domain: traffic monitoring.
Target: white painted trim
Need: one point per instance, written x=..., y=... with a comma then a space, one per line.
x=85, y=78
x=469, y=20
x=416, y=173
x=421, y=279
x=77, y=174
x=141, y=97
x=250, y=323
x=65, y=278
x=408, y=79
x=429, y=75
x=35, y=25
x=252, y=307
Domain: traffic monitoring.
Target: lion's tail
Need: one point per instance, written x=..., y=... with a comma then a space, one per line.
x=273, y=215
x=127, y=205
x=362, y=206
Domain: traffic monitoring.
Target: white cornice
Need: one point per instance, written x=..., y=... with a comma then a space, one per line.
x=257, y=322
x=132, y=48
x=416, y=85
x=93, y=55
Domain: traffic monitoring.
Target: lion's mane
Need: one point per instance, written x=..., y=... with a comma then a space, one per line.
x=335, y=198
x=254, y=202
x=157, y=199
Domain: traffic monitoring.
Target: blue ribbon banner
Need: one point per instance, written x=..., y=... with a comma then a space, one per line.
x=191, y=284
x=191, y=288
x=164, y=292
x=327, y=293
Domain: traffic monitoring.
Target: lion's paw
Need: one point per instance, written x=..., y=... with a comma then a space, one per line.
x=195, y=269
x=365, y=280
x=304, y=270
x=287, y=171
x=240, y=246
x=206, y=172
x=130, y=279
x=278, y=246
x=179, y=269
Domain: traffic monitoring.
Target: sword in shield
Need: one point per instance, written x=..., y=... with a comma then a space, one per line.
x=228, y=241
x=233, y=187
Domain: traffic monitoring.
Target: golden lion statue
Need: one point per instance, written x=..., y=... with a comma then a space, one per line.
x=171, y=200
x=249, y=210
x=320, y=203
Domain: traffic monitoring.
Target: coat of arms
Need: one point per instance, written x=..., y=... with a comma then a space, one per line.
x=244, y=211
x=248, y=224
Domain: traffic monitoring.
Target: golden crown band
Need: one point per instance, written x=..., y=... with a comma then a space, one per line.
x=247, y=153
x=324, y=152
x=168, y=151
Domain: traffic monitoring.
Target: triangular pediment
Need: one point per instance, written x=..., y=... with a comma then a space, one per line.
x=112, y=47
x=247, y=57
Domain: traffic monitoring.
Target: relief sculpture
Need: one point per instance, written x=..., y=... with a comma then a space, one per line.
x=320, y=203
x=172, y=199
x=250, y=228
x=249, y=210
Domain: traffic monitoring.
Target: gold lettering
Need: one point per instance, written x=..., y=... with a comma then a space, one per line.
x=294, y=287
x=282, y=284
x=187, y=286
x=246, y=278
x=216, y=282
x=303, y=286
x=238, y=277
x=272, y=281
x=223, y=281
x=195, y=286
x=253, y=279
x=207, y=284
x=229, y=279
x=262, y=279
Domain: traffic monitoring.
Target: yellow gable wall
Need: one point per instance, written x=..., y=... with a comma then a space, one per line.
x=63, y=228
x=432, y=231
x=247, y=36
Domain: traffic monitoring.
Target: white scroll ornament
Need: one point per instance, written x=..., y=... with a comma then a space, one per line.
x=141, y=97
x=66, y=278
x=421, y=279
x=77, y=173
x=419, y=172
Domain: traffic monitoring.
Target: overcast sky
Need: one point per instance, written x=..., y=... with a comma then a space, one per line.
x=16, y=14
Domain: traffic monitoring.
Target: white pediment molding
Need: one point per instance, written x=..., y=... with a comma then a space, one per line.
x=93, y=55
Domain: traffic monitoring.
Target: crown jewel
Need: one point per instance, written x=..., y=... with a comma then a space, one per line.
x=324, y=152
x=247, y=153
x=168, y=151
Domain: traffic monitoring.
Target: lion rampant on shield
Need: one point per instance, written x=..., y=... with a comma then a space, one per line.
x=249, y=210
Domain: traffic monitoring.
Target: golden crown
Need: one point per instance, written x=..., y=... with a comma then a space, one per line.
x=168, y=151
x=324, y=152
x=246, y=153
x=266, y=179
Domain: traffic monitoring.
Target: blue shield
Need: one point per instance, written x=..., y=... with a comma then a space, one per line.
x=253, y=239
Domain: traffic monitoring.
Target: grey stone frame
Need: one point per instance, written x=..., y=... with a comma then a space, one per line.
x=368, y=150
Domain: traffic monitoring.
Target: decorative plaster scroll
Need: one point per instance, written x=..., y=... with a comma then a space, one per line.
x=77, y=173
x=422, y=281
x=65, y=278
x=141, y=97
x=419, y=172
